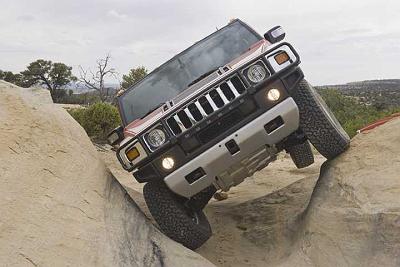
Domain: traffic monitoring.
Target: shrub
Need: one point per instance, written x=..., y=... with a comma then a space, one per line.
x=97, y=120
x=350, y=113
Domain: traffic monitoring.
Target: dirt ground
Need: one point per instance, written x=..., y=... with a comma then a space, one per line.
x=229, y=246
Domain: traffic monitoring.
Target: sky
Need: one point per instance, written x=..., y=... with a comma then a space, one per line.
x=338, y=41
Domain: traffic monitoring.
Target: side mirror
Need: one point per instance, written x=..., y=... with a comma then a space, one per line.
x=274, y=35
x=116, y=136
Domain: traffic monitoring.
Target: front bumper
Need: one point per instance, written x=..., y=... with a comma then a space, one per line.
x=250, y=139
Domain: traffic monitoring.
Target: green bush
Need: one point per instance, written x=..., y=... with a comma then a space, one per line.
x=350, y=113
x=97, y=120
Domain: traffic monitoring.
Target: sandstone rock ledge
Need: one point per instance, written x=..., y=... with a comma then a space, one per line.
x=354, y=215
x=59, y=206
x=348, y=216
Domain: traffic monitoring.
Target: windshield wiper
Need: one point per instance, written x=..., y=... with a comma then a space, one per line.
x=152, y=109
x=201, y=77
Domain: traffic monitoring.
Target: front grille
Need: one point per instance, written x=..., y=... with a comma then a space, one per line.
x=220, y=126
x=226, y=122
x=200, y=108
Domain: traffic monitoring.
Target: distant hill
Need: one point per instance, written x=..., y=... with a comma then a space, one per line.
x=79, y=88
x=379, y=93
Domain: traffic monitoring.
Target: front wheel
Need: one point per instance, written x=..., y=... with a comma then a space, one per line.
x=318, y=122
x=177, y=220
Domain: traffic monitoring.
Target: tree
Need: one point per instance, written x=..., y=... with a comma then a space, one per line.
x=10, y=77
x=134, y=75
x=51, y=75
x=96, y=80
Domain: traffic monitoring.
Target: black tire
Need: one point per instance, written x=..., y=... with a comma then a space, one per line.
x=177, y=221
x=301, y=154
x=318, y=122
x=201, y=199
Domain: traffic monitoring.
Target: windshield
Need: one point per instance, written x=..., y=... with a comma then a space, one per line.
x=174, y=76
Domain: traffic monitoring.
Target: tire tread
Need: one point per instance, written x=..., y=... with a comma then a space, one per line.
x=329, y=139
x=301, y=154
x=169, y=212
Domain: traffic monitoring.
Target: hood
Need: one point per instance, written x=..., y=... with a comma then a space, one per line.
x=137, y=126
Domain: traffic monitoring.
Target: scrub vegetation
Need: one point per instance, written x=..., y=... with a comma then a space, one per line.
x=97, y=120
x=352, y=114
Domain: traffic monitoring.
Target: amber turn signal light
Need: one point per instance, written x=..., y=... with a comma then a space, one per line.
x=132, y=154
x=281, y=58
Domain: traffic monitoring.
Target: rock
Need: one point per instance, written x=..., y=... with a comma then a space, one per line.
x=260, y=231
x=273, y=222
x=349, y=216
x=354, y=215
x=220, y=196
x=59, y=205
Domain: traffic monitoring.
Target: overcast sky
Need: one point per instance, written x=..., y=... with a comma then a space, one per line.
x=338, y=41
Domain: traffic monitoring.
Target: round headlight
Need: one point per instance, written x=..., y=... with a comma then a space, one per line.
x=256, y=73
x=273, y=95
x=156, y=138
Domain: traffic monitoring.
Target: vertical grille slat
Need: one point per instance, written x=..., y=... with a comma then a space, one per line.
x=215, y=96
x=223, y=96
x=209, y=99
x=237, y=83
x=184, y=118
x=203, y=106
x=202, y=111
x=196, y=113
x=235, y=92
x=227, y=91
x=180, y=124
x=174, y=126
x=189, y=114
